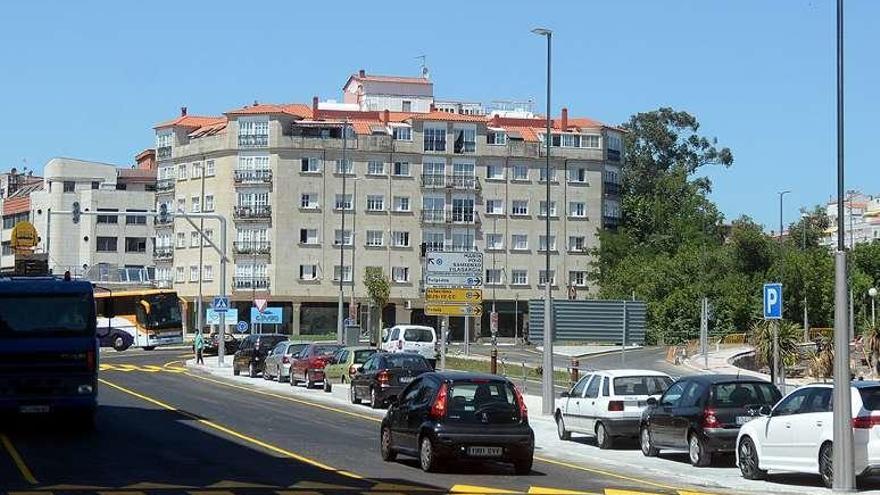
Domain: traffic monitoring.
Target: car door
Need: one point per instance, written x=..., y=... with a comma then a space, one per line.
x=689, y=407
x=588, y=405
x=779, y=437
x=809, y=426
x=362, y=380
x=409, y=414
x=660, y=423
x=571, y=412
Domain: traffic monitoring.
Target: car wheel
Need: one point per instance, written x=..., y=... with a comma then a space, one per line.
x=427, y=459
x=603, y=439
x=748, y=461
x=697, y=453
x=119, y=343
x=387, y=451
x=327, y=387
x=235, y=371
x=252, y=370
x=353, y=396
x=375, y=403
x=308, y=380
x=560, y=428
x=523, y=467
x=825, y=465
x=647, y=445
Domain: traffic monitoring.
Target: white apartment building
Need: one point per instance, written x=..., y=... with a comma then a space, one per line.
x=406, y=174
x=861, y=222
x=15, y=205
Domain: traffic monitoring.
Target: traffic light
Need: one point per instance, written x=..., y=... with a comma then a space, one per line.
x=163, y=212
x=76, y=212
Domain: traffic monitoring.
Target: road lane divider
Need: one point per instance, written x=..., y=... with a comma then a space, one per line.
x=23, y=468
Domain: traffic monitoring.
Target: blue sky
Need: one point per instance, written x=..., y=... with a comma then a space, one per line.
x=88, y=79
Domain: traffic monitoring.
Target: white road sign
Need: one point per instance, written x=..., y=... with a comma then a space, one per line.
x=463, y=263
x=443, y=280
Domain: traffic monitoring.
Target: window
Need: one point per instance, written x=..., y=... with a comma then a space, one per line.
x=375, y=168
x=105, y=244
x=495, y=172
x=346, y=273
x=520, y=242
x=590, y=141
x=435, y=139
x=494, y=206
x=406, y=106
x=375, y=202
x=593, y=388
x=401, y=133
x=181, y=171
x=136, y=219
x=401, y=169
x=208, y=273
x=542, y=207
x=520, y=207
x=401, y=203
x=400, y=239
x=463, y=210
x=308, y=201
x=494, y=241
x=345, y=167
x=820, y=400
x=343, y=202
x=197, y=170
x=209, y=236
x=542, y=243
x=493, y=276
x=463, y=240
x=542, y=174
x=194, y=238
x=400, y=274
x=209, y=202
x=95, y=184
x=375, y=238
x=465, y=140
x=578, y=389
x=542, y=277
x=193, y=273
x=181, y=239
x=434, y=241
x=519, y=277
x=135, y=245
x=196, y=204
x=69, y=186
x=577, y=175
x=163, y=140
x=577, y=278
x=166, y=173
x=577, y=209
x=181, y=204
x=308, y=272
x=253, y=162
x=179, y=274
x=496, y=138
x=107, y=218
x=577, y=244
x=341, y=238
x=310, y=165
x=308, y=236
x=209, y=168
x=520, y=172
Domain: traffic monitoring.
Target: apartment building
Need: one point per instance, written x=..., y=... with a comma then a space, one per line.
x=861, y=222
x=15, y=205
x=405, y=173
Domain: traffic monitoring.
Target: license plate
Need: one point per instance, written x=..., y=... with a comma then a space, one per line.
x=741, y=420
x=33, y=409
x=405, y=379
x=484, y=451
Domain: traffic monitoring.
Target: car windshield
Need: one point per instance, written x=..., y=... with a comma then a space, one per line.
x=418, y=335
x=360, y=357
x=42, y=315
x=641, y=385
x=326, y=350
x=870, y=397
x=741, y=394
x=406, y=362
x=296, y=348
x=482, y=401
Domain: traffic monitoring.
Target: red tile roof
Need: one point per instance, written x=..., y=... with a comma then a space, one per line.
x=209, y=130
x=191, y=121
x=449, y=117
x=293, y=109
x=389, y=79
x=12, y=206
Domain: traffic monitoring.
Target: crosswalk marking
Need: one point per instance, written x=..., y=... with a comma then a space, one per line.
x=146, y=368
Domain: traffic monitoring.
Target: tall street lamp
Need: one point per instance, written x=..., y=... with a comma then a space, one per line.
x=775, y=371
x=547, y=375
x=781, y=195
x=805, y=221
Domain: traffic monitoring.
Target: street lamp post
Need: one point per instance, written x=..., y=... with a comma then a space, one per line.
x=873, y=293
x=775, y=372
x=344, y=166
x=354, y=201
x=805, y=220
x=547, y=375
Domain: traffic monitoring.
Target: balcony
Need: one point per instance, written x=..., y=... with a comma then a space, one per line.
x=163, y=153
x=253, y=141
x=163, y=253
x=464, y=217
x=244, y=177
x=462, y=182
x=433, y=216
x=251, y=247
x=163, y=222
x=610, y=223
x=164, y=284
x=613, y=155
x=611, y=188
x=165, y=185
x=433, y=180
x=252, y=213
x=250, y=283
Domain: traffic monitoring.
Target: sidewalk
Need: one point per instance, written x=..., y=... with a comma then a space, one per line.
x=720, y=362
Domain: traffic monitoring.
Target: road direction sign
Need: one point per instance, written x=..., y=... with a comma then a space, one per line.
x=454, y=281
x=457, y=263
x=441, y=295
x=773, y=301
x=221, y=304
x=453, y=310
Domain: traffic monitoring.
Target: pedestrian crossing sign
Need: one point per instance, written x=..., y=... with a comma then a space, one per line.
x=221, y=304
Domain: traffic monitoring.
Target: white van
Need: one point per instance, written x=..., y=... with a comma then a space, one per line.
x=412, y=338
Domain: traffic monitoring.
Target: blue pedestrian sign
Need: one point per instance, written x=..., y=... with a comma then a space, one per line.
x=773, y=301
x=221, y=304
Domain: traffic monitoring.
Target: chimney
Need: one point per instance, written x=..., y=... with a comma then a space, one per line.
x=564, y=119
x=314, y=107
x=433, y=108
x=183, y=111
x=386, y=116
x=362, y=73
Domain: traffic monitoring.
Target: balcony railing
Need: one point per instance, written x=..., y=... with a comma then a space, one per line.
x=253, y=141
x=168, y=220
x=613, y=155
x=251, y=247
x=462, y=182
x=252, y=176
x=250, y=283
x=164, y=284
x=434, y=216
x=163, y=153
x=610, y=223
x=433, y=180
x=464, y=217
x=612, y=188
x=260, y=212
x=165, y=185
x=161, y=253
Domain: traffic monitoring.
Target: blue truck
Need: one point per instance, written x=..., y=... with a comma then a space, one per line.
x=48, y=348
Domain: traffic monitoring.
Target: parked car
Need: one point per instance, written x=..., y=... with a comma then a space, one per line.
x=212, y=343
x=702, y=414
x=413, y=338
x=608, y=404
x=441, y=417
x=796, y=435
x=384, y=375
x=118, y=339
x=345, y=365
x=308, y=365
x=251, y=354
x=279, y=360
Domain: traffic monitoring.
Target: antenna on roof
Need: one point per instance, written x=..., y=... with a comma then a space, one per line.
x=426, y=74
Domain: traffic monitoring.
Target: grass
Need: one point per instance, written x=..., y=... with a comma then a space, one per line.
x=512, y=372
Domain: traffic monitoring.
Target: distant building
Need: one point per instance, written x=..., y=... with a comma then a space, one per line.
x=15, y=204
x=861, y=222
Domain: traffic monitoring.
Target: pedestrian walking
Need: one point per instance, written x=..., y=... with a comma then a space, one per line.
x=200, y=348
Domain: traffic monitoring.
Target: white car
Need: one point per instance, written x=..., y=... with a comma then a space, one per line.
x=412, y=338
x=608, y=404
x=796, y=435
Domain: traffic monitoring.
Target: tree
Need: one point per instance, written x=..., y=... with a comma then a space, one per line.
x=379, y=289
x=788, y=336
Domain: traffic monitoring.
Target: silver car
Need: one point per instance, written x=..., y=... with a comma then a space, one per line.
x=277, y=365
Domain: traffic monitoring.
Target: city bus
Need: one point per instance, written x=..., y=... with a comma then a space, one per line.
x=150, y=317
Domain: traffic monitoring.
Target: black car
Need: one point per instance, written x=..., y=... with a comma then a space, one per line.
x=702, y=414
x=384, y=375
x=446, y=416
x=212, y=343
x=251, y=353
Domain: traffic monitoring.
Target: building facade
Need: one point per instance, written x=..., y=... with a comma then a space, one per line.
x=284, y=174
x=15, y=205
x=861, y=222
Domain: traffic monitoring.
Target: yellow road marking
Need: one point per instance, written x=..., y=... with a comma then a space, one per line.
x=540, y=490
x=18, y=460
x=233, y=433
x=613, y=491
x=146, y=368
x=685, y=492
x=474, y=490
x=604, y=473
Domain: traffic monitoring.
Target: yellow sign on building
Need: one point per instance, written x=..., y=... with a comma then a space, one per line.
x=24, y=237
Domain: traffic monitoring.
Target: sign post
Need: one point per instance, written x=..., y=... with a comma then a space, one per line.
x=453, y=282
x=773, y=311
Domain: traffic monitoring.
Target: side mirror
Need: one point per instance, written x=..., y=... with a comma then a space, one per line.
x=565, y=394
x=652, y=401
x=765, y=410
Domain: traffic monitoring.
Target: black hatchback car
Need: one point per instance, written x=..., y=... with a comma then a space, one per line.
x=384, y=375
x=251, y=353
x=702, y=414
x=445, y=416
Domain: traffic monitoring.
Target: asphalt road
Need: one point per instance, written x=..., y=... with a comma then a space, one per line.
x=163, y=429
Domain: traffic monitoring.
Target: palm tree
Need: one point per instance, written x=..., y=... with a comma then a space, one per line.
x=872, y=345
x=761, y=337
x=822, y=361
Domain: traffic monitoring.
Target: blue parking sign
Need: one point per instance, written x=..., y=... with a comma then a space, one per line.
x=773, y=301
